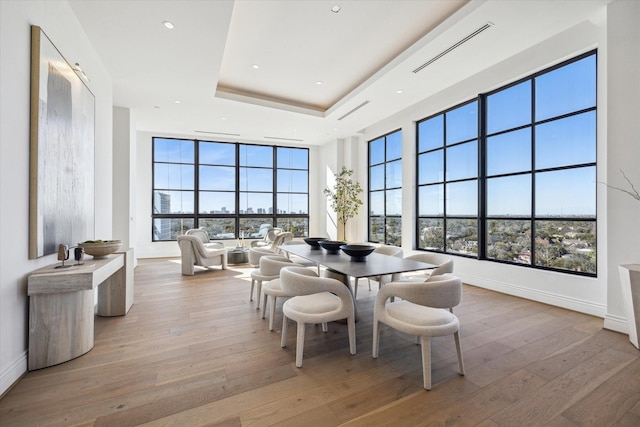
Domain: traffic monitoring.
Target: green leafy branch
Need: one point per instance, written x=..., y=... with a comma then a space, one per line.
x=344, y=196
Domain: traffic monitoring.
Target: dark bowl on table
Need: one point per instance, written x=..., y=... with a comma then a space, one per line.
x=313, y=241
x=331, y=246
x=357, y=252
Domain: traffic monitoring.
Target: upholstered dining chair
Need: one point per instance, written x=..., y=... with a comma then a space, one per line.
x=269, y=236
x=426, y=311
x=194, y=252
x=271, y=290
x=315, y=300
x=383, y=250
x=444, y=265
x=267, y=271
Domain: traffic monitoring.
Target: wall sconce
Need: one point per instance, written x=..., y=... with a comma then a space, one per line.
x=78, y=69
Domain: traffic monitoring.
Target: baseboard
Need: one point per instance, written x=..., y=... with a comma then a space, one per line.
x=575, y=304
x=616, y=323
x=12, y=374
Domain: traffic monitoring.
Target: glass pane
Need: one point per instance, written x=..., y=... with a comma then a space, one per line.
x=292, y=203
x=252, y=179
x=567, y=141
x=217, y=153
x=509, y=240
x=173, y=150
x=298, y=226
x=293, y=181
x=217, y=202
x=394, y=174
x=509, y=196
x=394, y=146
x=462, y=161
x=431, y=234
x=376, y=229
x=173, y=202
x=462, y=236
x=509, y=152
x=256, y=155
x=509, y=108
x=170, y=228
x=293, y=158
x=376, y=177
x=173, y=176
x=394, y=202
x=254, y=228
x=566, y=245
x=462, y=123
x=462, y=198
x=567, y=89
x=376, y=203
x=431, y=167
x=431, y=133
x=393, y=230
x=376, y=151
x=256, y=203
x=219, y=228
x=431, y=200
x=566, y=193
x=217, y=178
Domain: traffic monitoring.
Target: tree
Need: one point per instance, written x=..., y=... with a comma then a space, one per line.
x=344, y=197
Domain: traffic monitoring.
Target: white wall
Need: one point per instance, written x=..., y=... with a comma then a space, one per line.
x=59, y=23
x=585, y=294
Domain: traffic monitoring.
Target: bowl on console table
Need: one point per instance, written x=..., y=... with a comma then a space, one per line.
x=331, y=246
x=100, y=248
x=313, y=241
x=357, y=252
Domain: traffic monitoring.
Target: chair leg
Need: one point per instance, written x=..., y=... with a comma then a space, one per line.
x=376, y=339
x=355, y=288
x=272, y=313
x=253, y=283
x=325, y=327
x=300, y=344
x=426, y=361
x=351, y=326
x=258, y=292
x=285, y=330
x=456, y=335
x=264, y=305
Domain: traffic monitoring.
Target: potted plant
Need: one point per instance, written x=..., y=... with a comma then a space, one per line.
x=344, y=197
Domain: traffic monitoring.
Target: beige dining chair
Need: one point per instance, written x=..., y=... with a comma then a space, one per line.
x=426, y=311
x=315, y=300
x=272, y=290
x=443, y=263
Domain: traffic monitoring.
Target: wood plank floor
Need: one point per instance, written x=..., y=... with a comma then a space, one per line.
x=194, y=351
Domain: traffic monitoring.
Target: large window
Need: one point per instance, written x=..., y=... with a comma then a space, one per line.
x=385, y=189
x=531, y=180
x=230, y=189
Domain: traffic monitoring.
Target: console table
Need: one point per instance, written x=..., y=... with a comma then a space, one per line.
x=61, y=305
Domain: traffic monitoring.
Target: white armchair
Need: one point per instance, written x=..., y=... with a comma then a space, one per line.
x=196, y=252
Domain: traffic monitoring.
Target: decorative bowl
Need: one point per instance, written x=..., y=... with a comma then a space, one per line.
x=357, y=252
x=100, y=248
x=313, y=241
x=331, y=246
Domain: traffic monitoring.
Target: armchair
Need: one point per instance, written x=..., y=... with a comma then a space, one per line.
x=196, y=252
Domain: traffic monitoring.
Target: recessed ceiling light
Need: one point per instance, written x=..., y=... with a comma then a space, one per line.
x=255, y=66
x=177, y=101
x=318, y=82
x=399, y=91
x=335, y=9
x=223, y=118
x=168, y=25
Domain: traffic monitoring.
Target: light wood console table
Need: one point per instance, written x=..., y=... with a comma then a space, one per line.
x=61, y=305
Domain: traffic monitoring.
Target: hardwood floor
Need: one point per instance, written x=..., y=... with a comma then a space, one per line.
x=194, y=351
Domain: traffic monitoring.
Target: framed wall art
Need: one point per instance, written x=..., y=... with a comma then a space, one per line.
x=61, y=176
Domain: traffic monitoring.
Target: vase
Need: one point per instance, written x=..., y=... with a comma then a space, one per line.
x=630, y=281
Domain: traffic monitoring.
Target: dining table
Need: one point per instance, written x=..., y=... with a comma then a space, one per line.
x=345, y=266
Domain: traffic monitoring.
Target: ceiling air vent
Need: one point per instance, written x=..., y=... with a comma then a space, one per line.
x=453, y=46
x=283, y=139
x=217, y=133
x=354, y=109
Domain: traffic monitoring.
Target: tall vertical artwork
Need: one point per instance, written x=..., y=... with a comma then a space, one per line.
x=61, y=177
